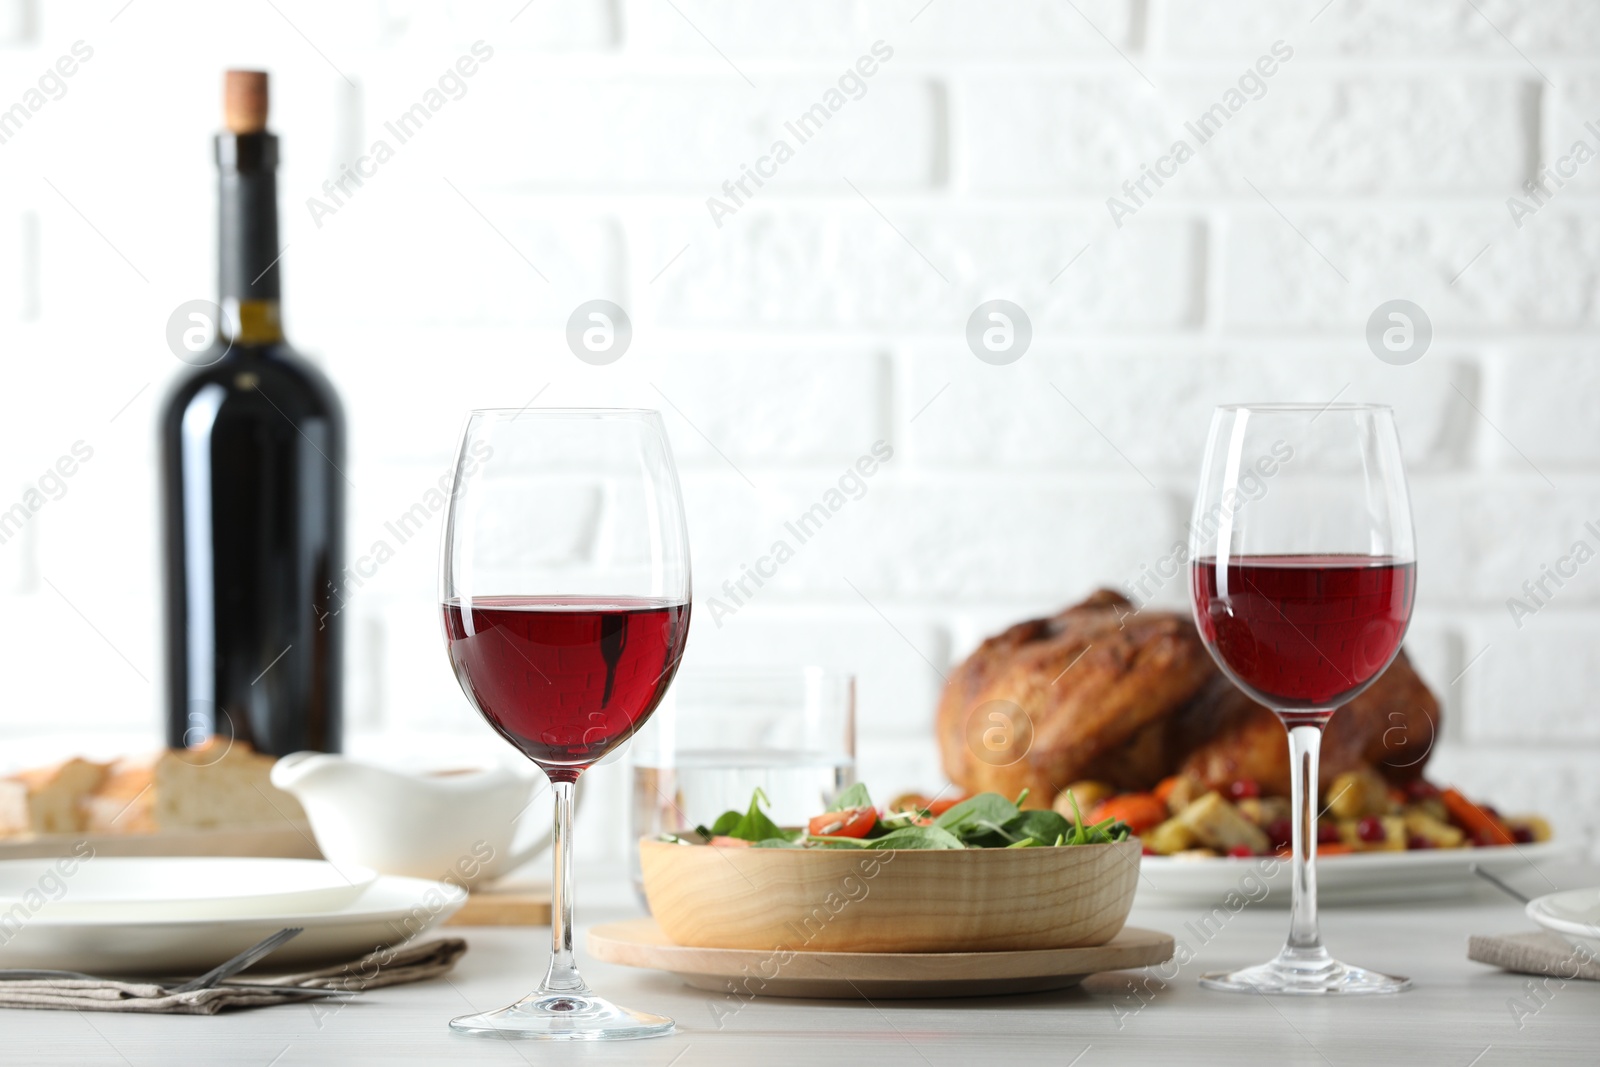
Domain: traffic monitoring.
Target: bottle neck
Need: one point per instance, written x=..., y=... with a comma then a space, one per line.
x=251, y=322
x=249, y=256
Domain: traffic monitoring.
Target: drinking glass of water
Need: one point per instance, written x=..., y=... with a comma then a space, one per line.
x=723, y=733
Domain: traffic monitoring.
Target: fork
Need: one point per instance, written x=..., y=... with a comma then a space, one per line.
x=229, y=968
x=211, y=978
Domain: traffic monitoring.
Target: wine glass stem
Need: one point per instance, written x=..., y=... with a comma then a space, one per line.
x=1305, y=748
x=562, y=976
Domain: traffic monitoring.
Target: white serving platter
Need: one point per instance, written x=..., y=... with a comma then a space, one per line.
x=1353, y=879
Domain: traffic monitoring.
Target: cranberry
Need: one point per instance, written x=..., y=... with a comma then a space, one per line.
x=1148, y=851
x=1489, y=811
x=1522, y=835
x=1327, y=834
x=1244, y=789
x=1421, y=789
x=1486, y=837
x=1281, y=832
x=1242, y=852
x=1415, y=842
x=1370, y=830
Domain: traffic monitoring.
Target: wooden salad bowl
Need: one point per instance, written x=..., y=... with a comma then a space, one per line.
x=900, y=900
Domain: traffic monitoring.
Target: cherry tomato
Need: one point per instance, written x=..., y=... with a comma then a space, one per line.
x=851, y=822
x=939, y=807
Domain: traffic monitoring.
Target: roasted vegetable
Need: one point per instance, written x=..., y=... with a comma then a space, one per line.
x=1482, y=826
x=1264, y=811
x=1141, y=811
x=1170, y=837
x=1374, y=833
x=1358, y=793
x=1431, y=832
x=1218, y=824
x=1536, y=828
x=1179, y=791
x=1088, y=794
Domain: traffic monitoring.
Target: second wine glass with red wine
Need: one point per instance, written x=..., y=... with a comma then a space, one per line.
x=565, y=588
x=1303, y=573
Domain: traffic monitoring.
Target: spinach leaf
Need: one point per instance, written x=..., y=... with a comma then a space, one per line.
x=981, y=833
x=1042, y=827
x=971, y=814
x=753, y=825
x=814, y=841
x=756, y=826
x=854, y=797
x=917, y=837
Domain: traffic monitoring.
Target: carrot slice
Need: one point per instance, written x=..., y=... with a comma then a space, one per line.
x=1335, y=849
x=1164, y=788
x=1479, y=824
x=1141, y=811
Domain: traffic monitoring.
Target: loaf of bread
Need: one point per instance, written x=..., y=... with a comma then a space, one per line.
x=217, y=784
x=46, y=800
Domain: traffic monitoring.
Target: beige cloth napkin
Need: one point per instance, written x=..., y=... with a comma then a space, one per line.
x=385, y=967
x=1538, y=952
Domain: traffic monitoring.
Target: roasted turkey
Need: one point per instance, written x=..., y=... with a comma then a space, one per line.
x=1101, y=691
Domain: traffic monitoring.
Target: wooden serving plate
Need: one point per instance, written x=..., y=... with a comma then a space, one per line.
x=903, y=900
x=872, y=975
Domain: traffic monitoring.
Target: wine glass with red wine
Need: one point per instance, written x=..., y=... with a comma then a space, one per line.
x=1303, y=574
x=565, y=589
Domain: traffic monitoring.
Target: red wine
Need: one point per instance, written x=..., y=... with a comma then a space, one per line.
x=252, y=454
x=1303, y=632
x=565, y=679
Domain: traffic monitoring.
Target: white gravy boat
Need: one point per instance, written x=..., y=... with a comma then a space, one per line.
x=456, y=826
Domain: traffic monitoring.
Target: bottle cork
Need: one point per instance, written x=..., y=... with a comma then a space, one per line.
x=244, y=101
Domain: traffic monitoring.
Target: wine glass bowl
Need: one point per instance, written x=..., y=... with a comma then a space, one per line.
x=1302, y=576
x=565, y=595
x=1269, y=618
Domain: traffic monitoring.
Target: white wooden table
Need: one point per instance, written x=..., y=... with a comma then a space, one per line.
x=1459, y=1013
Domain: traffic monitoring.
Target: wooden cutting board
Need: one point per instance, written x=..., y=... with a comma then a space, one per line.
x=873, y=975
x=517, y=903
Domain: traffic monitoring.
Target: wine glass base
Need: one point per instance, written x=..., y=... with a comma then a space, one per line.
x=565, y=1017
x=1328, y=977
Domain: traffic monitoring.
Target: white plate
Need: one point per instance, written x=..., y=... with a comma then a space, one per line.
x=1574, y=914
x=175, y=888
x=1352, y=879
x=387, y=912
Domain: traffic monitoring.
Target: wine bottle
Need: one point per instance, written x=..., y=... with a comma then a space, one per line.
x=253, y=509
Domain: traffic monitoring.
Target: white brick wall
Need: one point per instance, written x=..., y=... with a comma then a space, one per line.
x=827, y=312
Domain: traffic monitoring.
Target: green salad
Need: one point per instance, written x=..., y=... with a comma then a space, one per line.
x=987, y=820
